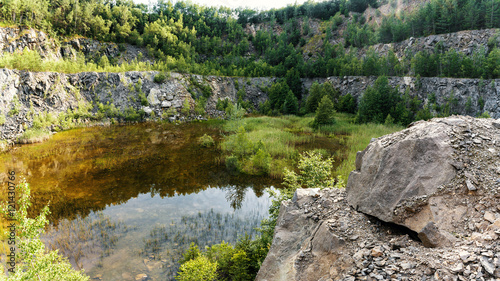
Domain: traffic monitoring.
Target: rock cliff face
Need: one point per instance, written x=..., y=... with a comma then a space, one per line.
x=16, y=40
x=483, y=94
x=57, y=92
x=464, y=41
x=22, y=92
x=447, y=192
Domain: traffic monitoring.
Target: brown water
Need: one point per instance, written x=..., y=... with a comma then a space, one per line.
x=128, y=200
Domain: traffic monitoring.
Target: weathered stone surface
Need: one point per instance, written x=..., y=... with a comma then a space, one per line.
x=408, y=164
x=432, y=237
x=339, y=243
x=411, y=178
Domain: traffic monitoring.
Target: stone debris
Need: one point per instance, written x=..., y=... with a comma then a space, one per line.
x=321, y=236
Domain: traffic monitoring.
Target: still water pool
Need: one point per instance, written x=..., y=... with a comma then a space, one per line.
x=128, y=200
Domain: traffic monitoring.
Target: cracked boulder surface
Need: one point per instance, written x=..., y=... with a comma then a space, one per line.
x=320, y=237
x=432, y=177
x=437, y=217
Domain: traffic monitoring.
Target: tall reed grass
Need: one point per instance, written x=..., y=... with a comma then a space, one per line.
x=355, y=137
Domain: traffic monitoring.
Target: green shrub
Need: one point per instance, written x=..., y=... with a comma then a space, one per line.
x=132, y=115
x=314, y=171
x=389, y=120
x=34, y=261
x=324, y=113
x=16, y=106
x=186, y=107
x=260, y=163
x=199, y=106
x=222, y=104
x=424, y=114
x=290, y=105
x=235, y=112
x=198, y=269
x=485, y=114
x=192, y=253
x=347, y=103
x=160, y=78
x=142, y=97
x=206, y=141
x=2, y=119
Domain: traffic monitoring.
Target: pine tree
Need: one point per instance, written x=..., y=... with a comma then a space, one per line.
x=324, y=113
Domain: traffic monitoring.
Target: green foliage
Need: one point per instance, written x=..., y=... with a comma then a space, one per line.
x=314, y=97
x=107, y=111
x=234, y=112
x=44, y=120
x=206, y=141
x=186, y=107
x=424, y=114
x=382, y=100
x=468, y=105
x=485, y=114
x=324, y=113
x=143, y=98
x=222, y=105
x=290, y=105
x=131, y=114
x=317, y=92
x=199, y=106
x=197, y=269
x=480, y=102
x=277, y=95
x=347, y=103
x=206, y=90
x=34, y=262
x=260, y=163
x=358, y=35
x=389, y=120
x=207, y=40
x=16, y=106
x=160, y=78
x=191, y=253
x=314, y=172
x=2, y=119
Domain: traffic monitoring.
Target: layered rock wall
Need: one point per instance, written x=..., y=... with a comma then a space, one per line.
x=464, y=96
x=22, y=92
x=57, y=92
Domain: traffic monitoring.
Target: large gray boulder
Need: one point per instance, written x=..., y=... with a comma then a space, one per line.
x=425, y=176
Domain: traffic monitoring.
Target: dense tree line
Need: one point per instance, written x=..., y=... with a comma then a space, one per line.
x=320, y=10
x=207, y=40
x=440, y=16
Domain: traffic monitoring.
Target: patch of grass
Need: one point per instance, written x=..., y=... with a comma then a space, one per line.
x=276, y=136
x=33, y=135
x=206, y=141
x=356, y=138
